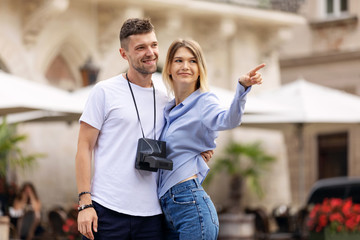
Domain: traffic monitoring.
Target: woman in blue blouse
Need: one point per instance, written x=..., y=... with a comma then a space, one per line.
x=192, y=121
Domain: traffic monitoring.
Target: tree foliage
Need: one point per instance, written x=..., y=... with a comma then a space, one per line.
x=11, y=155
x=244, y=161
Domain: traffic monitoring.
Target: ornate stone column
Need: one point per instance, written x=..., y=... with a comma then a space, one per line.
x=36, y=14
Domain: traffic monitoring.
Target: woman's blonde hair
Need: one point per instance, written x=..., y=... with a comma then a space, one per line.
x=196, y=50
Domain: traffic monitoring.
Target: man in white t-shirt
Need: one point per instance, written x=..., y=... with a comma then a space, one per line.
x=120, y=202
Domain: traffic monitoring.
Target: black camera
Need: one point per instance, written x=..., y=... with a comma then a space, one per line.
x=151, y=155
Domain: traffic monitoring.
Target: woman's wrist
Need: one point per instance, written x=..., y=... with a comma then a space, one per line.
x=242, y=84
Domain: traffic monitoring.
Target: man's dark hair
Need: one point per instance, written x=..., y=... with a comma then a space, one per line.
x=134, y=26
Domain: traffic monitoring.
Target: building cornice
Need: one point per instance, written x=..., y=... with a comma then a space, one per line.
x=334, y=22
x=265, y=17
x=319, y=58
x=255, y=15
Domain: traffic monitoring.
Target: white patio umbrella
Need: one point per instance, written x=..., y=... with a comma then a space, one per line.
x=41, y=116
x=306, y=103
x=18, y=95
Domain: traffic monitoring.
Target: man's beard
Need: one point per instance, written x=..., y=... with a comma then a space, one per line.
x=143, y=70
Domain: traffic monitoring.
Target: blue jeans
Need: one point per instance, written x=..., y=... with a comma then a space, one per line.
x=189, y=213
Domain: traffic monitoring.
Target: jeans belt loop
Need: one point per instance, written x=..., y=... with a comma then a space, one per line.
x=196, y=182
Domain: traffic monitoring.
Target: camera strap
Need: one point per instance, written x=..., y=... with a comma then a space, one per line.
x=137, y=111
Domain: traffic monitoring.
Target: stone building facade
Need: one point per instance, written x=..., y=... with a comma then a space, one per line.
x=325, y=51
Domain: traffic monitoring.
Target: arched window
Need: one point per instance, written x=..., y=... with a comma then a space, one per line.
x=60, y=75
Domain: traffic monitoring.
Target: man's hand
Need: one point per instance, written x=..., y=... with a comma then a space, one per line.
x=207, y=155
x=252, y=77
x=87, y=218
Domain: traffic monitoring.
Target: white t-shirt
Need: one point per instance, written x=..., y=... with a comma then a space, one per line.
x=116, y=184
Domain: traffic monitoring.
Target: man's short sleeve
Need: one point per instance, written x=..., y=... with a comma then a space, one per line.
x=94, y=111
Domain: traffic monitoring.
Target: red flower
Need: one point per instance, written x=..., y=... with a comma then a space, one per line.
x=70, y=229
x=335, y=214
x=351, y=223
x=323, y=220
x=336, y=217
x=314, y=211
x=326, y=208
x=346, y=209
x=336, y=202
x=66, y=228
x=356, y=208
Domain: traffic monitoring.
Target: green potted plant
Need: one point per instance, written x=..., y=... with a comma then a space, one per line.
x=243, y=163
x=11, y=156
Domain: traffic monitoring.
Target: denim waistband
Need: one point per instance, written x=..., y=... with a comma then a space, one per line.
x=190, y=184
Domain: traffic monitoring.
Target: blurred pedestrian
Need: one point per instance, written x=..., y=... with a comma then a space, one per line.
x=25, y=212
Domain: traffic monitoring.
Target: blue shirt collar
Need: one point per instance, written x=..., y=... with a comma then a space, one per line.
x=187, y=100
x=191, y=97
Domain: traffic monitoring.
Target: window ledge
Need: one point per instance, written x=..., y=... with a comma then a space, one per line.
x=334, y=21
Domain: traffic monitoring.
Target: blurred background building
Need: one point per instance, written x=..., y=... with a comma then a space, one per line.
x=72, y=44
x=325, y=51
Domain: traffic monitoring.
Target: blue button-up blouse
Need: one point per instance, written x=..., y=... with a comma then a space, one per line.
x=191, y=128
